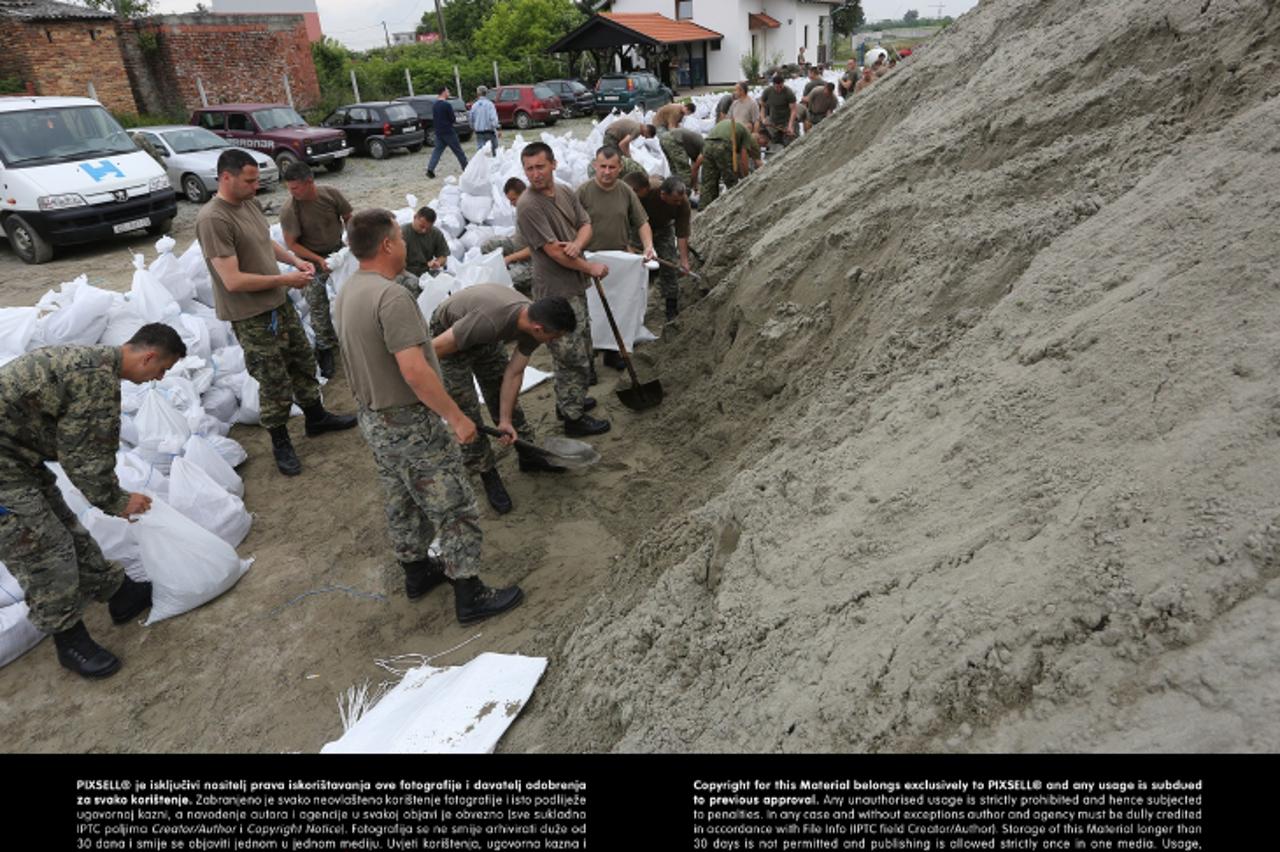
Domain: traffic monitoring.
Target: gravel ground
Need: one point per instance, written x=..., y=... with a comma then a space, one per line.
x=365, y=182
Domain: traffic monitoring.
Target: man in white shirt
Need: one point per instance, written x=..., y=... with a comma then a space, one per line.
x=484, y=120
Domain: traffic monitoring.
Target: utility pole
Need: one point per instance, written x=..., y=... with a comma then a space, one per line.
x=386, y=33
x=444, y=36
x=939, y=7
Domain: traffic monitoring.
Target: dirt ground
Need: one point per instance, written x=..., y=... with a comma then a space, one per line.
x=972, y=447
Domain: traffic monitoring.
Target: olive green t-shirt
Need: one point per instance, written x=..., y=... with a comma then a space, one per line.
x=316, y=224
x=622, y=128
x=615, y=213
x=746, y=139
x=691, y=142
x=240, y=231
x=376, y=318
x=777, y=105
x=542, y=219
x=662, y=214
x=485, y=313
x=421, y=249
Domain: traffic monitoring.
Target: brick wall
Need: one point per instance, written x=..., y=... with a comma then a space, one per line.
x=62, y=58
x=237, y=57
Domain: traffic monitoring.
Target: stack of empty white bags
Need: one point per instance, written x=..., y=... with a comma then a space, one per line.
x=173, y=443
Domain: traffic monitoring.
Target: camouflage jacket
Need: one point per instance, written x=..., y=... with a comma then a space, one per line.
x=62, y=403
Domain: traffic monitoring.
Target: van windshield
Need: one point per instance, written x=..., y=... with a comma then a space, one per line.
x=39, y=137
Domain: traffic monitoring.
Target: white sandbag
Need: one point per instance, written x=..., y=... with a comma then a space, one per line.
x=208, y=426
x=123, y=323
x=187, y=565
x=228, y=448
x=128, y=431
x=112, y=534
x=195, y=494
x=201, y=453
x=137, y=474
x=475, y=177
x=627, y=288
x=195, y=269
x=227, y=361
x=451, y=224
x=220, y=333
x=434, y=291
x=342, y=265
x=194, y=333
x=166, y=269
x=476, y=208
x=10, y=592
x=17, y=634
x=17, y=325
x=80, y=322
x=162, y=429
x=444, y=710
x=149, y=297
x=250, y=408
x=487, y=269
x=180, y=393
x=220, y=403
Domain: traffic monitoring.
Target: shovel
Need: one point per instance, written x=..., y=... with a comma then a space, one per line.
x=695, y=276
x=638, y=397
x=562, y=452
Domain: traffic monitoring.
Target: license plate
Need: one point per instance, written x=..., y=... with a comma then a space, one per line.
x=555, y=112
x=409, y=128
x=132, y=225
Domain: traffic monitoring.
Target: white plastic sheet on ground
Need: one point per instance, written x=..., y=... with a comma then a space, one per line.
x=188, y=566
x=455, y=710
x=627, y=289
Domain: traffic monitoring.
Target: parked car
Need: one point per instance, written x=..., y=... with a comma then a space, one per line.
x=277, y=131
x=627, y=90
x=521, y=106
x=378, y=127
x=189, y=156
x=73, y=175
x=422, y=105
x=575, y=98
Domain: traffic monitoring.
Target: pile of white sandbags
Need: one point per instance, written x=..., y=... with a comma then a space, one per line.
x=17, y=634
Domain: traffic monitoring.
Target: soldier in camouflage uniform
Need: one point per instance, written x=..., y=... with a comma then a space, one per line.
x=677, y=156
x=395, y=378
x=250, y=292
x=62, y=403
x=717, y=158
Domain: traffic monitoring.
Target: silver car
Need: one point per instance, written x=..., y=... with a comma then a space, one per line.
x=190, y=154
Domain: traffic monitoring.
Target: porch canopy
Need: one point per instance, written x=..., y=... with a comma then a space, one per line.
x=655, y=38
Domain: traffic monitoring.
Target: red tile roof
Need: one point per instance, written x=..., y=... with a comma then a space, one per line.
x=661, y=28
x=761, y=21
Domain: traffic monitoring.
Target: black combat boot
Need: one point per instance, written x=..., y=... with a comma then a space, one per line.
x=536, y=463
x=320, y=421
x=474, y=601
x=282, y=448
x=422, y=576
x=78, y=652
x=588, y=403
x=326, y=362
x=673, y=308
x=129, y=601
x=614, y=359
x=499, y=499
x=585, y=425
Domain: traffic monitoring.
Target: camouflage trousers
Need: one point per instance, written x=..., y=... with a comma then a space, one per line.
x=50, y=554
x=486, y=364
x=410, y=282
x=572, y=356
x=277, y=354
x=317, y=294
x=664, y=243
x=426, y=489
x=677, y=157
x=521, y=273
x=717, y=165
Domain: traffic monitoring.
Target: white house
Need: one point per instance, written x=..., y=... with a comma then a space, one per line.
x=770, y=28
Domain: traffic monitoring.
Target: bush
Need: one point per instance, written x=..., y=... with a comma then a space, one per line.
x=148, y=119
x=750, y=64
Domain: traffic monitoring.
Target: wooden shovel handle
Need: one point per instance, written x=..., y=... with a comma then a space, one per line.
x=617, y=335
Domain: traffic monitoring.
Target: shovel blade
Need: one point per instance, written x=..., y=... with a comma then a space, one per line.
x=569, y=453
x=641, y=397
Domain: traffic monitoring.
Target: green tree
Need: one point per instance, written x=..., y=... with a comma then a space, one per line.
x=910, y=16
x=461, y=19
x=846, y=19
x=123, y=8
x=525, y=28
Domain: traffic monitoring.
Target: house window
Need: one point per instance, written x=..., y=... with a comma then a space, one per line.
x=806, y=35
x=684, y=10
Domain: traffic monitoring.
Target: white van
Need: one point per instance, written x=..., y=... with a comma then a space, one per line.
x=70, y=174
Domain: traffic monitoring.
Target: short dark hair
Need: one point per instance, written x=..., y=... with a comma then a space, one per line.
x=554, y=313
x=691, y=107
x=233, y=161
x=636, y=181
x=161, y=337
x=777, y=78
x=297, y=170
x=533, y=149
x=650, y=131
x=514, y=185
x=426, y=213
x=673, y=186
x=443, y=89
x=609, y=152
x=368, y=229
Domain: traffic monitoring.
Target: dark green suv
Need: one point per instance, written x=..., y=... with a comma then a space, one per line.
x=628, y=90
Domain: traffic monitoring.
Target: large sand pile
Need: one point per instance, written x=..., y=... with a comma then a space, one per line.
x=976, y=445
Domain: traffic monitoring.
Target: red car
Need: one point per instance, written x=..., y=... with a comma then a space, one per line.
x=521, y=106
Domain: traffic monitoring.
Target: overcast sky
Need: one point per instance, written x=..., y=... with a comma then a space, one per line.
x=359, y=25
